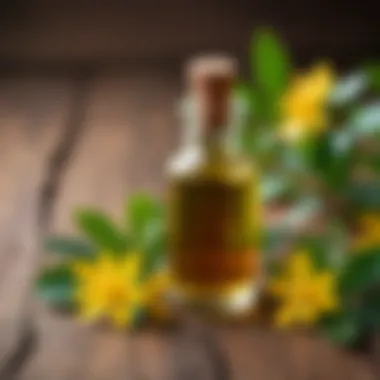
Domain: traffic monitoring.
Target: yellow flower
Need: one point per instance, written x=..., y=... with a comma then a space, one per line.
x=109, y=288
x=303, y=106
x=369, y=232
x=304, y=292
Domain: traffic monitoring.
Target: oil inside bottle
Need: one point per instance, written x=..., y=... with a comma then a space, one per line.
x=213, y=203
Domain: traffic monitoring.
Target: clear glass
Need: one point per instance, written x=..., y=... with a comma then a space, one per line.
x=213, y=216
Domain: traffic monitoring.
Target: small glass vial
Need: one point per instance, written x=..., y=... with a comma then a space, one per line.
x=213, y=202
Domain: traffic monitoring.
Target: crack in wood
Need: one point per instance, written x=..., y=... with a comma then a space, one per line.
x=61, y=155
x=217, y=357
x=25, y=347
x=48, y=194
x=198, y=351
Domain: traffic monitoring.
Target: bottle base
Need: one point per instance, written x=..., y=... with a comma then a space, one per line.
x=235, y=302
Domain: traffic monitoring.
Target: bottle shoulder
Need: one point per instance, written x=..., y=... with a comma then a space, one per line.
x=193, y=163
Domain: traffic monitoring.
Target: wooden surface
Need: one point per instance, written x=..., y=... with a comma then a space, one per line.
x=92, y=140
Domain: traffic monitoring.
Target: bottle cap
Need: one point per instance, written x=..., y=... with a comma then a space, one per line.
x=210, y=80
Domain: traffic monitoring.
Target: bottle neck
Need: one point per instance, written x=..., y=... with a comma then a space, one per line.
x=215, y=140
x=220, y=138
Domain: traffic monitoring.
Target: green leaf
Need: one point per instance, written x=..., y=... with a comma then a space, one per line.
x=274, y=187
x=361, y=273
x=331, y=156
x=69, y=247
x=342, y=142
x=318, y=152
x=292, y=160
x=327, y=248
x=267, y=145
x=246, y=95
x=270, y=63
x=300, y=214
x=56, y=286
x=342, y=159
x=144, y=217
x=154, y=252
x=365, y=195
x=370, y=308
x=318, y=250
x=366, y=120
x=140, y=208
x=373, y=72
x=337, y=239
x=372, y=161
x=349, y=89
x=153, y=260
x=99, y=228
x=342, y=329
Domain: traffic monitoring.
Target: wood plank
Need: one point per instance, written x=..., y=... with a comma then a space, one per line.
x=32, y=117
x=127, y=135
x=260, y=353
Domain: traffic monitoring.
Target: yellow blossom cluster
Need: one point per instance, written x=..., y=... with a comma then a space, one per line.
x=109, y=288
x=304, y=293
x=303, y=105
x=369, y=232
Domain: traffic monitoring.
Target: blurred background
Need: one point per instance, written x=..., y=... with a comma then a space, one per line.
x=87, y=116
x=100, y=33
x=134, y=51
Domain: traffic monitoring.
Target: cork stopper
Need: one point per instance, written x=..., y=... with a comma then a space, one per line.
x=210, y=79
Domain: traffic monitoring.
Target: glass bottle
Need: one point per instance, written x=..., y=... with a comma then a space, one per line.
x=213, y=203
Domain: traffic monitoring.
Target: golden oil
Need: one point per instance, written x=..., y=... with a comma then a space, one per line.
x=213, y=202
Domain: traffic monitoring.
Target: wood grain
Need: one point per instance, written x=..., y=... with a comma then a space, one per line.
x=92, y=141
x=121, y=149
x=32, y=117
x=259, y=353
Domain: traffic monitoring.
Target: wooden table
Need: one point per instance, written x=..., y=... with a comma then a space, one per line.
x=69, y=140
